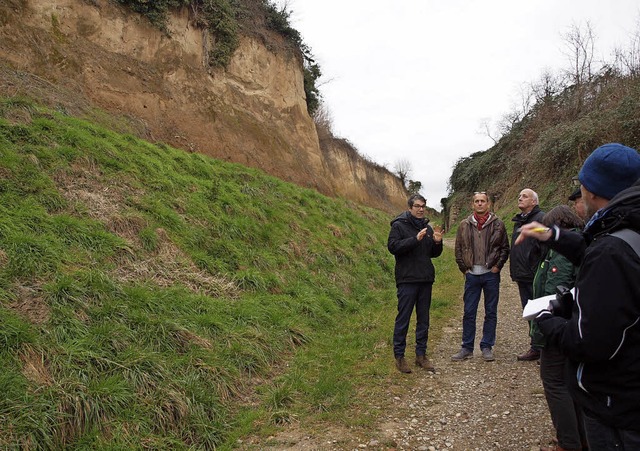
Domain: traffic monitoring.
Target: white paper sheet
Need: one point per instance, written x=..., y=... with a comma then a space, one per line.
x=535, y=306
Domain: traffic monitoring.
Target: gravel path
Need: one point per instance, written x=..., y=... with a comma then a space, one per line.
x=469, y=405
x=475, y=405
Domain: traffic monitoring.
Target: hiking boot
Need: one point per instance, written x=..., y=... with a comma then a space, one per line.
x=402, y=365
x=487, y=355
x=423, y=362
x=531, y=354
x=464, y=354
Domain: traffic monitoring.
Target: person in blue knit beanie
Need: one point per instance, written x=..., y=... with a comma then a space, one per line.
x=601, y=338
x=610, y=169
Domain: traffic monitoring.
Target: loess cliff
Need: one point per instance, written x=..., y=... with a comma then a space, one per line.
x=82, y=55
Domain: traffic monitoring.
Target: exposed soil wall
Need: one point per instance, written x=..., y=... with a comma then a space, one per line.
x=253, y=112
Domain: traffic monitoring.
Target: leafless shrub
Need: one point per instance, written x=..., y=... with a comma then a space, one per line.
x=485, y=128
x=402, y=169
x=547, y=87
x=580, y=44
x=324, y=123
x=627, y=61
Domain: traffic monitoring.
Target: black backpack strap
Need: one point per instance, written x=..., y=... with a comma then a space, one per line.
x=631, y=237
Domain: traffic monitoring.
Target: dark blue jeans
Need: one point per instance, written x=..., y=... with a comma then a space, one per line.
x=488, y=283
x=412, y=295
x=604, y=438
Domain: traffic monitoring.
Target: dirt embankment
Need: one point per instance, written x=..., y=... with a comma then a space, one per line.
x=252, y=112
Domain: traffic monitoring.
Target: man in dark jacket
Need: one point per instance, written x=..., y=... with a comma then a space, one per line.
x=413, y=243
x=482, y=249
x=524, y=259
x=602, y=337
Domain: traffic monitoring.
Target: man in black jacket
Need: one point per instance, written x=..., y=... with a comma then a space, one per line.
x=602, y=337
x=524, y=259
x=413, y=243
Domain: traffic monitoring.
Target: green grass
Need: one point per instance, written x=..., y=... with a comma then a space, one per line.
x=153, y=298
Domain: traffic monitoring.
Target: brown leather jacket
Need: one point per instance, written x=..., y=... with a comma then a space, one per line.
x=497, y=245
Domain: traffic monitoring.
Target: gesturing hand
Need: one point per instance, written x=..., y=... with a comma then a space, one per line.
x=438, y=232
x=535, y=230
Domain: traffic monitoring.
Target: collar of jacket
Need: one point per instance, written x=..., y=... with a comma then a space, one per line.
x=522, y=217
x=623, y=211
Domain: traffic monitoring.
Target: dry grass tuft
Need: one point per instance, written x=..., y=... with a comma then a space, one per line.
x=30, y=304
x=127, y=227
x=170, y=266
x=336, y=231
x=35, y=367
x=84, y=191
x=184, y=338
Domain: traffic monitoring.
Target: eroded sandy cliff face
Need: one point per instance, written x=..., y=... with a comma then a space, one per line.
x=253, y=112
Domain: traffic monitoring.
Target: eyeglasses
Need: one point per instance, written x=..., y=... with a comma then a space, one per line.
x=419, y=207
x=575, y=181
x=479, y=192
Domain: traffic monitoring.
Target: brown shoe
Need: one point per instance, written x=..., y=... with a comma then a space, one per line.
x=402, y=365
x=557, y=448
x=423, y=362
x=531, y=354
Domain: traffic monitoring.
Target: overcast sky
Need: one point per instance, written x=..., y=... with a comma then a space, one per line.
x=414, y=79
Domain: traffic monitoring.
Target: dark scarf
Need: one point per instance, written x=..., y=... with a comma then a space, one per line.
x=481, y=219
x=420, y=223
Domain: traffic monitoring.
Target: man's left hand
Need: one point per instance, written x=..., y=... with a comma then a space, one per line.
x=438, y=232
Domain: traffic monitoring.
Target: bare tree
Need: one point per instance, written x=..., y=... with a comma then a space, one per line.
x=580, y=43
x=628, y=60
x=484, y=128
x=403, y=170
x=526, y=99
x=508, y=121
x=547, y=87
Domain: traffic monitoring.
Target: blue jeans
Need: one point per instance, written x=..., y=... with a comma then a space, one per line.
x=601, y=437
x=412, y=295
x=474, y=285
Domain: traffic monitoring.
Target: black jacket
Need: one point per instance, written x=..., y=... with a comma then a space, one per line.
x=602, y=338
x=524, y=258
x=413, y=257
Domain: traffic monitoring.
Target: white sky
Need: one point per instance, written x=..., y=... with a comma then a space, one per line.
x=414, y=79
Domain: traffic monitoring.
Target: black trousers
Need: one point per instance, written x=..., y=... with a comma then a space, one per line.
x=410, y=296
x=566, y=415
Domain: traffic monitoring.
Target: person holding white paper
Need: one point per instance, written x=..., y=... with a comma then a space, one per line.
x=602, y=337
x=556, y=270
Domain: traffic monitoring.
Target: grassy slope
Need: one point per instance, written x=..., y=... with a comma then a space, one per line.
x=152, y=298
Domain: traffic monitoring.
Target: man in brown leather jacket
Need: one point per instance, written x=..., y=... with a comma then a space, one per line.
x=482, y=248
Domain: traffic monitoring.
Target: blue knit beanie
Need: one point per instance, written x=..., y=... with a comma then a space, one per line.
x=610, y=169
